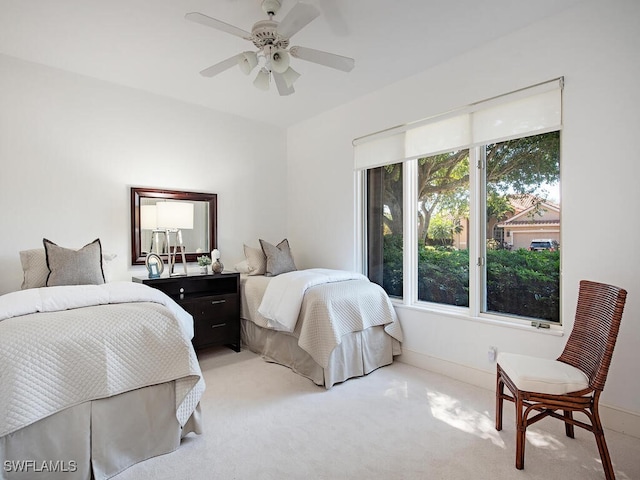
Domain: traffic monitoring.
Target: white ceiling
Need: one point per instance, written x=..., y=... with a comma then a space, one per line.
x=148, y=45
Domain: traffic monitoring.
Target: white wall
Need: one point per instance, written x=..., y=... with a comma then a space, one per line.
x=595, y=48
x=71, y=147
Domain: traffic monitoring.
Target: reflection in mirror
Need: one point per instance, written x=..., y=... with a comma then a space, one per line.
x=195, y=235
x=156, y=212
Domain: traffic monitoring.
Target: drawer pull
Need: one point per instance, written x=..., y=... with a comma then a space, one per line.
x=219, y=325
x=213, y=302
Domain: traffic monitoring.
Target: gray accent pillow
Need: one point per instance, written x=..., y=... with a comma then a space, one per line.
x=279, y=259
x=74, y=267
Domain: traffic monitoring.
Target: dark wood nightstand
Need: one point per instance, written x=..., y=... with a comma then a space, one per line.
x=214, y=302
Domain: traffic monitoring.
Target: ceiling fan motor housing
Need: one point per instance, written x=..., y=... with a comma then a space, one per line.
x=265, y=33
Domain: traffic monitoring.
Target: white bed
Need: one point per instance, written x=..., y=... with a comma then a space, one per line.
x=343, y=327
x=95, y=378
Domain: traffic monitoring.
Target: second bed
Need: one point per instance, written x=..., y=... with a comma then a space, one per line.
x=341, y=326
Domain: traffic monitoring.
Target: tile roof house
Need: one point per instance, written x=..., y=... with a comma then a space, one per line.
x=533, y=218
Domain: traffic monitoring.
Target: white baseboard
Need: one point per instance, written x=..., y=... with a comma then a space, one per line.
x=613, y=418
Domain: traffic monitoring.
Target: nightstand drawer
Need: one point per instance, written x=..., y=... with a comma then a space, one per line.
x=214, y=332
x=216, y=308
x=214, y=319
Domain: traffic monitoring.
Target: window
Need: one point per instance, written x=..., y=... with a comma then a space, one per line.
x=461, y=227
x=385, y=227
x=442, y=226
x=523, y=274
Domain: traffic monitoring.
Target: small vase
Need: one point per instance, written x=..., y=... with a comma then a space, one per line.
x=204, y=269
x=217, y=267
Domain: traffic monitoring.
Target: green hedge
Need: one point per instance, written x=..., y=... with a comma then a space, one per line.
x=519, y=282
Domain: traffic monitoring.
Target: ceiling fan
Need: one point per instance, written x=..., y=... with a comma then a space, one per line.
x=271, y=39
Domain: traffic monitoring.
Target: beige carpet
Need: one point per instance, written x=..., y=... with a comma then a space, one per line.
x=262, y=421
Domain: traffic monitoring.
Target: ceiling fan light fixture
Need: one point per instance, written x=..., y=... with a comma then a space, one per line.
x=262, y=80
x=271, y=38
x=247, y=62
x=290, y=76
x=280, y=60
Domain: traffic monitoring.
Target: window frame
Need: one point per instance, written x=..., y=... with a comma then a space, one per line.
x=477, y=248
x=476, y=310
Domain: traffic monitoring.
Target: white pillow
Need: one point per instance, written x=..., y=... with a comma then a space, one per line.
x=256, y=260
x=242, y=267
x=34, y=268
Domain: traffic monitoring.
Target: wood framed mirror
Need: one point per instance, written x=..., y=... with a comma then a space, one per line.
x=199, y=240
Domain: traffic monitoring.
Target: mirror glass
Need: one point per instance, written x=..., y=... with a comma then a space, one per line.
x=197, y=221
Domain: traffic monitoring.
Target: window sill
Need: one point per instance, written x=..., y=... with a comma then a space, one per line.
x=461, y=313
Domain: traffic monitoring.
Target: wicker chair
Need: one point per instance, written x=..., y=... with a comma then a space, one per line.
x=573, y=382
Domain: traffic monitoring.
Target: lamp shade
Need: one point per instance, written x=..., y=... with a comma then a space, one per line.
x=290, y=76
x=247, y=61
x=175, y=215
x=262, y=80
x=148, y=217
x=280, y=61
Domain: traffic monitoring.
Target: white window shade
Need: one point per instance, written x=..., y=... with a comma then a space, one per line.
x=383, y=150
x=528, y=111
x=441, y=136
x=527, y=116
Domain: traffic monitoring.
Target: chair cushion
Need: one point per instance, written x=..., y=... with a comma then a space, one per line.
x=534, y=374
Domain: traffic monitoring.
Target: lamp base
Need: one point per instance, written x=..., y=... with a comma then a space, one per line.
x=172, y=260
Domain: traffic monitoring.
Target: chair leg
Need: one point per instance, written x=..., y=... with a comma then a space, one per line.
x=602, y=445
x=521, y=432
x=499, y=401
x=568, y=427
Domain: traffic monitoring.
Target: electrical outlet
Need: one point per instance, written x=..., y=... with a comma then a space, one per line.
x=491, y=354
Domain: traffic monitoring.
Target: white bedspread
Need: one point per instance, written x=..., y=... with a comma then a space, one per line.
x=327, y=312
x=62, y=346
x=283, y=297
x=53, y=299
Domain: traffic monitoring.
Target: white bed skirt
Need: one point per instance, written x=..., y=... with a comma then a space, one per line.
x=358, y=353
x=102, y=436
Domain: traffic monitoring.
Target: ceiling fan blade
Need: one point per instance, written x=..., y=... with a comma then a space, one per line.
x=217, y=24
x=335, y=19
x=297, y=18
x=281, y=84
x=327, y=59
x=221, y=66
